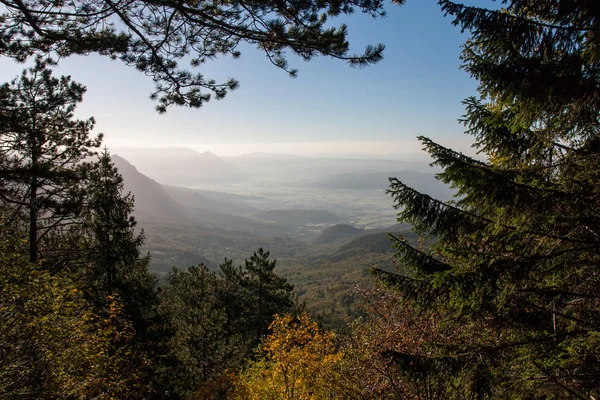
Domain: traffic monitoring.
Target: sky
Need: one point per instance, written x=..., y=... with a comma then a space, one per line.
x=330, y=109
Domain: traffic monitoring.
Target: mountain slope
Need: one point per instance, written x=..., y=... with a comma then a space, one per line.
x=338, y=232
x=151, y=200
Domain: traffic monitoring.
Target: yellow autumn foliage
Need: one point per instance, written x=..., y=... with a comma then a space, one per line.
x=52, y=345
x=297, y=361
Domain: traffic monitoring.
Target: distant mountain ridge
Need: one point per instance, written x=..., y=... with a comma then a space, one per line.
x=182, y=166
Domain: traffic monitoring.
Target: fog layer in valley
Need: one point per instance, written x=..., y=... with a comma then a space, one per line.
x=325, y=219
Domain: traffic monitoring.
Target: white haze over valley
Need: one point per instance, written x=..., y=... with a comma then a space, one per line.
x=407, y=150
x=198, y=206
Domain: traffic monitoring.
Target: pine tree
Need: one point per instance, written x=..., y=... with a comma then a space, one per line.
x=254, y=294
x=153, y=36
x=115, y=263
x=517, y=254
x=42, y=156
x=198, y=345
x=269, y=293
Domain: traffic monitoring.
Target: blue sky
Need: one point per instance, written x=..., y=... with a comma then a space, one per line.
x=330, y=108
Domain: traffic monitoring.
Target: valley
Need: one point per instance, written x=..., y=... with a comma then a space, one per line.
x=324, y=220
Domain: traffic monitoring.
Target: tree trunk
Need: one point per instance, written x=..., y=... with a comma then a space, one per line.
x=33, y=243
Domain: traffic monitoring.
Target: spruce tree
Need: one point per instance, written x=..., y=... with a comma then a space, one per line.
x=43, y=152
x=517, y=254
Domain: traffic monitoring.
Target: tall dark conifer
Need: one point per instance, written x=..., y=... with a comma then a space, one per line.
x=269, y=293
x=115, y=264
x=253, y=294
x=517, y=257
x=43, y=149
x=198, y=345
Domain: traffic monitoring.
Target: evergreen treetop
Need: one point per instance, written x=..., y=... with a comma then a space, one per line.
x=43, y=155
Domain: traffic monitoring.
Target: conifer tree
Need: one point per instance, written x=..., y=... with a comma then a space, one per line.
x=116, y=265
x=42, y=156
x=517, y=257
x=269, y=293
x=264, y=294
x=197, y=346
x=153, y=36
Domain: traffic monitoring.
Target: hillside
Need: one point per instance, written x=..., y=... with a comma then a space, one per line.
x=378, y=243
x=326, y=276
x=338, y=232
x=151, y=200
x=184, y=245
x=320, y=254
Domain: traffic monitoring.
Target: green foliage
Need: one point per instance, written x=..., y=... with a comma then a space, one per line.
x=517, y=253
x=213, y=322
x=198, y=347
x=114, y=265
x=266, y=293
x=252, y=294
x=80, y=230
x=53, y=344
x=43, y=157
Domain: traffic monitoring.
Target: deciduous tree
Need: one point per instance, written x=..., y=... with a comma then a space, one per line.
x=52, y=342
x=296, y=361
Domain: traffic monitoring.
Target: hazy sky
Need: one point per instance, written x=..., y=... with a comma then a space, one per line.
x=330, y=108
